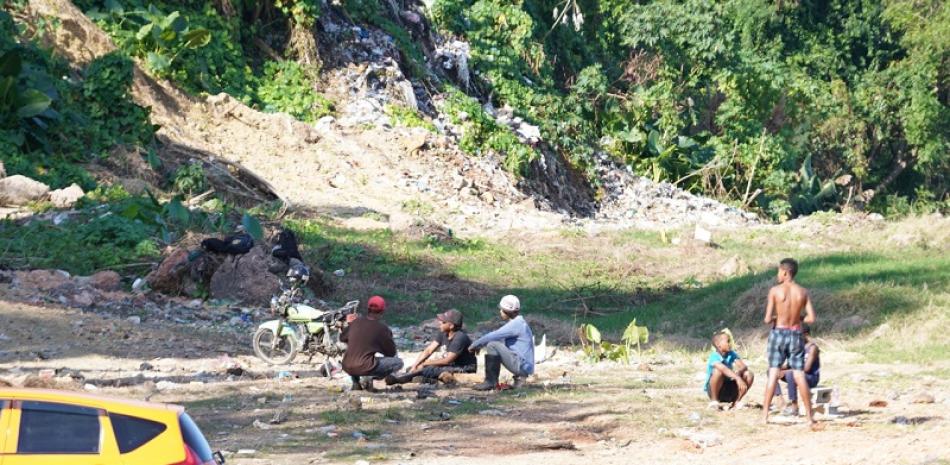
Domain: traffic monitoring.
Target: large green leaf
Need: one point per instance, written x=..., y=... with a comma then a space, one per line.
x=32, y=103
x=253, y=227
x=6, y=86
x=11, y=64
x=633, y=333
x=174, y=22
x=157, y=62
x=113, y=6
x=197, y=38
x=144, y=31
x=591, y=334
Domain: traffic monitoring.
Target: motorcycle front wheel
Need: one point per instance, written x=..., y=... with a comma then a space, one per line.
x=283, y=352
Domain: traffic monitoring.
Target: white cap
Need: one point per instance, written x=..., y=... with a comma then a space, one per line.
x=510, y=304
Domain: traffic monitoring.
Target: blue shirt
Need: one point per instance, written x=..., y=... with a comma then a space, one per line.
x=517, y=336
x=714, y=358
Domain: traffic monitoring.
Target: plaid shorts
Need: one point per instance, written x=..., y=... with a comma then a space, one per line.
x=786, y=344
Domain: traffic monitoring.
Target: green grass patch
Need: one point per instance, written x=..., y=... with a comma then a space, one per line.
x=877, y=287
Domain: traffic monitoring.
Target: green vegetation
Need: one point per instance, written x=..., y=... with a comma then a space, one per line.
x=482, y=134
x=407, y=117
x=788, y=108
x=111, y=230
x=763, y=103
x=205, y=50
x=52, y=121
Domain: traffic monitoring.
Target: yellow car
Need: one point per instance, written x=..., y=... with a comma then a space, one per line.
x=47, y=427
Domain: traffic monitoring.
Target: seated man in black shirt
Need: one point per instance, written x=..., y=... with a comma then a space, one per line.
x=457, y=358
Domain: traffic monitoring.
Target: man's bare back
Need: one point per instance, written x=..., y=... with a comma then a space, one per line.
x=786, y=301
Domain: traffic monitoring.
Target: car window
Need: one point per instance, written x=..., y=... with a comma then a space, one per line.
x=195, y=439
x=48, y=428
x=133, y=432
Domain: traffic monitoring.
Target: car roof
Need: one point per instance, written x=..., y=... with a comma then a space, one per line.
x=82, y=398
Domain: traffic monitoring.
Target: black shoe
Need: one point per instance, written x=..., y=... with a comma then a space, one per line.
x=357, y=385
x=398, y=379
x=484, y=386
x=492, y=369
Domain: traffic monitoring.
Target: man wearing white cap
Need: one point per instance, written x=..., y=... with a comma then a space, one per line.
x=512, y=345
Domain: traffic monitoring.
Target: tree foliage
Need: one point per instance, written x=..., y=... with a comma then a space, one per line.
x=761, y=102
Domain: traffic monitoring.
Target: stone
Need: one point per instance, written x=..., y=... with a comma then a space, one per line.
x=244, y=278
x=133, y=186
x=83, y=299
x=20, y=190
x=735, y=266
x=700, y=438
x=106, y=280
x=702, y=235
x=411, y=16
x=923, y=398
x=876, y=217
x=134, y=319
x=3, y=170
x=168, y=277
x=43, y=280
x=338, y=181
x=67, y=197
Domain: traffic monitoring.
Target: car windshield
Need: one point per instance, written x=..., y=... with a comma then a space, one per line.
x=195, y=439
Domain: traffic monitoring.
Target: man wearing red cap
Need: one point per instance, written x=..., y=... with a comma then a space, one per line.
x=365, y=337
x=457, y=358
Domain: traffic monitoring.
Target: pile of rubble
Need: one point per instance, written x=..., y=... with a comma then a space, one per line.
x=633, y=200
x=19, y=191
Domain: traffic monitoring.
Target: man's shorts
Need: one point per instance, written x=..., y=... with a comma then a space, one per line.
x=786, y=344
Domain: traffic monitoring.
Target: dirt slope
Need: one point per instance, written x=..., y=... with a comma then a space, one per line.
x=332, y=170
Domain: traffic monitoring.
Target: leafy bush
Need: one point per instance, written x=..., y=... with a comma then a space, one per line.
x=597, y=349
x=481, y=134
x=729, y=98
x=404, y=116
x=285, y=87
x=203, y=51
x=60, y=121
x=190, y=179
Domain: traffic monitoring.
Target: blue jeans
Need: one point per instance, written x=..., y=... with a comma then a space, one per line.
x=789, y=378
x=386, y=366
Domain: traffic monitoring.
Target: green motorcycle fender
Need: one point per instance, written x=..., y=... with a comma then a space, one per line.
x=285, y=330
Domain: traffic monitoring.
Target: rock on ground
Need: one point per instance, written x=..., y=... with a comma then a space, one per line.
x=167, y=278
x=67, y=197
x=20, y=190
x=43, y=280
x=106, y=280
x=246, y=278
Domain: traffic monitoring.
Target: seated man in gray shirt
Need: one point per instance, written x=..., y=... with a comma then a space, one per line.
x=512, y=345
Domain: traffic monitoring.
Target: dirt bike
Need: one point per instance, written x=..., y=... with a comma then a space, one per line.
x=300, y=328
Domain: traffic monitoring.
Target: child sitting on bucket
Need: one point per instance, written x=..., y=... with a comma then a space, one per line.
x=727, y=377
x=812, y=373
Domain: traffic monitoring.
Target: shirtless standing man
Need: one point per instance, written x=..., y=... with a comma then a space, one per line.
x=786, y=343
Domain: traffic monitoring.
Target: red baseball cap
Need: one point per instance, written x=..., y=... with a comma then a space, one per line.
x=376, y=304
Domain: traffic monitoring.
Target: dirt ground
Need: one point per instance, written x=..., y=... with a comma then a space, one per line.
x=571, y=412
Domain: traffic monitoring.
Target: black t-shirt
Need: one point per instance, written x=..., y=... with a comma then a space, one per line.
x=459, y=344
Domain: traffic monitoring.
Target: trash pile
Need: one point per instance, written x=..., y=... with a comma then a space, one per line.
x=633, y=200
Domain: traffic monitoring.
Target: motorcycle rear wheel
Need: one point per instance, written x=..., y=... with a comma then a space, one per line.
x=283, y=353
